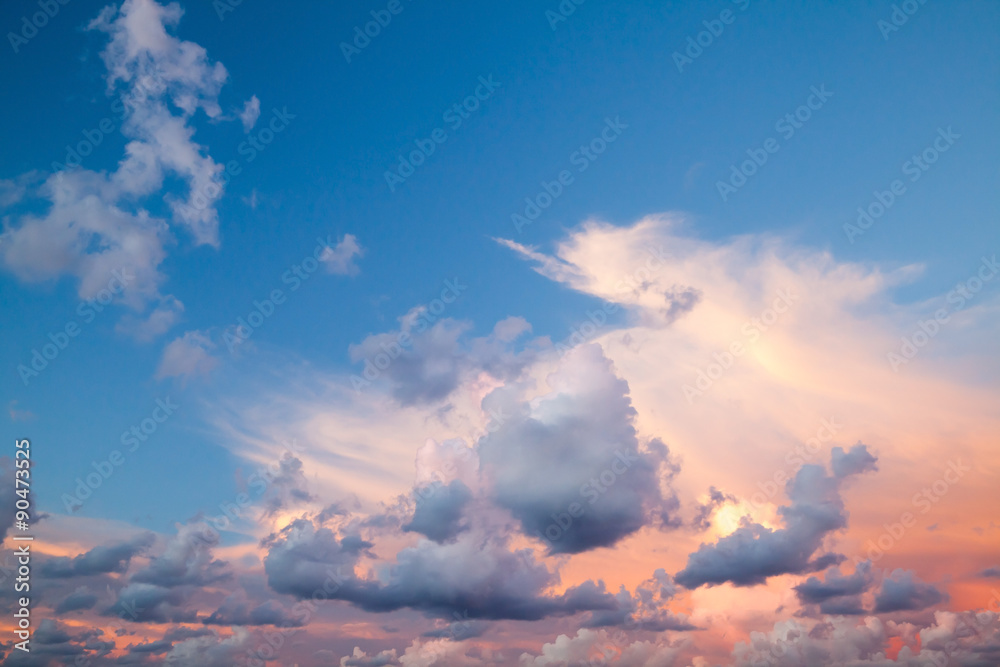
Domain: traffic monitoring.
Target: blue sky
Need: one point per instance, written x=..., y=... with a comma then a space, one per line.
x=347, y=123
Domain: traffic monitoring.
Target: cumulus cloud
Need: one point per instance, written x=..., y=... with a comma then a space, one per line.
x=187, y=356
x=340, y=258
x=477, y=574
x=427, y=358
x=601, y=648
x=754, y=552
x=95, y=221
x=568, y=465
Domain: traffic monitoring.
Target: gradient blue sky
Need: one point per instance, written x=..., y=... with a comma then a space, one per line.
x=324, y=176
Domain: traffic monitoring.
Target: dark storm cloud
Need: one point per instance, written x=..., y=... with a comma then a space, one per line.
x=753, y=552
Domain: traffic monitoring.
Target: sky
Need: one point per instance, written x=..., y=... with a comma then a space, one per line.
x=551, y=333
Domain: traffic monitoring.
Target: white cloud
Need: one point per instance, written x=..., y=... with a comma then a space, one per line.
x=250, y=113
x=96, y=220
x=338, y=259
x=187, y=356
x=159, y=321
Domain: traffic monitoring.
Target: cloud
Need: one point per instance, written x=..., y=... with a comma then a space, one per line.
x=339, y=259
x=645, y=609
x=211, y=650
x=99, y=560
x=186, y=560
x=753, y=552
x=438, y=513
x=600, y=648
x=837, y=593
x=476, y=575
x=95, y=221
x=427, y=359
x=903, y=591
x=361, y=659
x=250, y=113
x=237, y=610
x=568, y=465
x=187, y=356
x=157, y=322
x=79, y=599
x=53, y=643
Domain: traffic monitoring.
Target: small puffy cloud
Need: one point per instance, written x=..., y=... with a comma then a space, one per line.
x=250, y=113
x=359, y=658
x=339, y=258
x=904, y=591
x=187, y=356
x=599, y=648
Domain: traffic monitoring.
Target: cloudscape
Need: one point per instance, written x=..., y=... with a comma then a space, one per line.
x=638, y=334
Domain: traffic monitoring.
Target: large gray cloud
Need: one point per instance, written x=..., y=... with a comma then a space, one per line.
x=568, y=466
x=475, y=576
x=754, y=552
